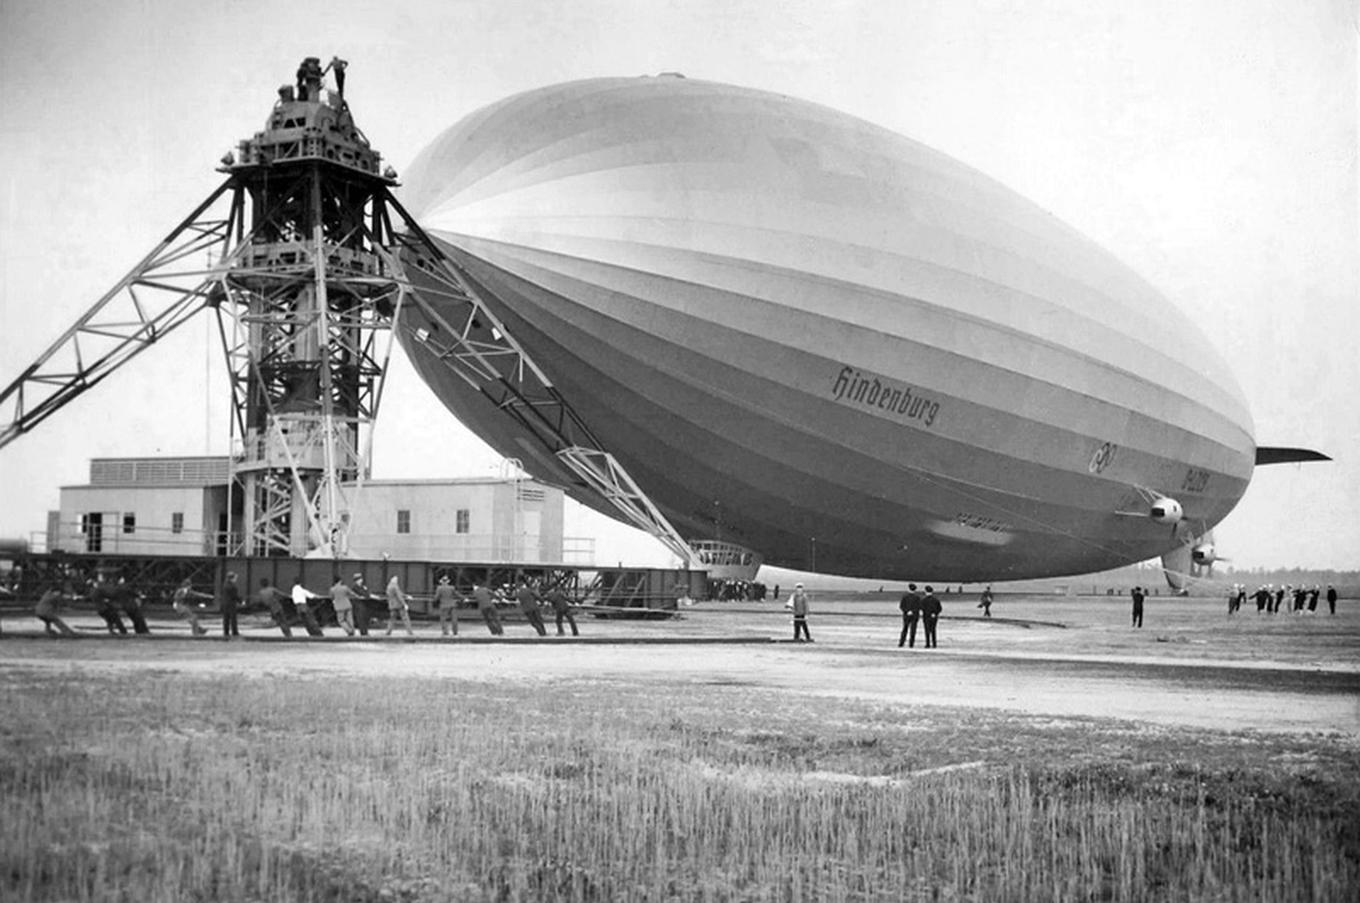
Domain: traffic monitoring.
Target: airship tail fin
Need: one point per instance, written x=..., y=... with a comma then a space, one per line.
x=1266, y=454
x=1193, y=559
x=1176, y=567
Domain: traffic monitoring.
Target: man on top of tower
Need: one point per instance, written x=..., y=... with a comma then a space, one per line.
x=309, y=79
x=337, y=66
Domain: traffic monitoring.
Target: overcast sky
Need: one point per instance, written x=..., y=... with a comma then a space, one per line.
x=1210, y=145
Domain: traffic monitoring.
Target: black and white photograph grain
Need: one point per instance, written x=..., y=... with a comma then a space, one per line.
x=642, y=451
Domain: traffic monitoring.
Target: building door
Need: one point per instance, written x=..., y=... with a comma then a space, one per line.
x=529, y=540
x=94, y=532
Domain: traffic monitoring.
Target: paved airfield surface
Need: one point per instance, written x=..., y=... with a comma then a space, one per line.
x=1191, y=664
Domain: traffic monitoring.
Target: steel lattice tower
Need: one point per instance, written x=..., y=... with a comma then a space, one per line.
x=308, y=274
x=311, y=295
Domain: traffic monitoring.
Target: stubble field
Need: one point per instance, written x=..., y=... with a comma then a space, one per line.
x=1022, y=760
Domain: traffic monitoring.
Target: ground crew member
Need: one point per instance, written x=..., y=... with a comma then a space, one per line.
x=446, y=600
x=1331, y=598
x=528, y=605
x=337, y=66
x=131, y=604
x=361, y=596
x=48, y=610
x=1137, y=594
x=272, y=598
x=301, y=599
x=1262, y=597
x=183, y=604
x=799, y=603
x=231, y=601
x=562, y=610
x=101, y=594
x=911, y=611
x=397, y=606
x=930, y=616
x=486, y=606
x=986, y=603
x=344, y=606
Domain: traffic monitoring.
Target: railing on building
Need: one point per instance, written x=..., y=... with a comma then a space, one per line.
x=111, y=537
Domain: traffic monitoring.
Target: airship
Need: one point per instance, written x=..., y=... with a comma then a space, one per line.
x=811, y=337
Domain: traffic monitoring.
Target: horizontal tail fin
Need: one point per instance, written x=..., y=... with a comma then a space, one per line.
x=1274, y=455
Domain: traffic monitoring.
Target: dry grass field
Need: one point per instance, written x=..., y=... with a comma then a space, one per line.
x=636, y=770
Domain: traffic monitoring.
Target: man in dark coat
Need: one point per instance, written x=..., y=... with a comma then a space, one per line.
x=930, y=616
x=1138, y=596
x=273, y=599
x=562, y=610
x=231, y=601
x=101, y=594
x=486, y=607
x=1262, y=599
x=528, y=605
x=911, y=611
x=360, y=596
x=130, y=602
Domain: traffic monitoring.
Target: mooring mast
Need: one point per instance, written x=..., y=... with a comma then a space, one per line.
x=306, y=273
x=311, y=295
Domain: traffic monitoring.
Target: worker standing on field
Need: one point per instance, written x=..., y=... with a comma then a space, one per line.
x=910, y=606
x=231, y=601
x=446, y=600
x=361, y=596
x=342, y=602
x=798, y=602
x=397, y=607
x=930, y=616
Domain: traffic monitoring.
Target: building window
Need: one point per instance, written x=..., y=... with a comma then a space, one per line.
x=461, y=520
x=129, y=523
x=177, y=522
x=403, y=520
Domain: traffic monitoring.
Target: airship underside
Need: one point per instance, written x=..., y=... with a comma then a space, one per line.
x=823, y=341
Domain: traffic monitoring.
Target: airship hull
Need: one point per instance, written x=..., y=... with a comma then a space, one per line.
x=817, y=339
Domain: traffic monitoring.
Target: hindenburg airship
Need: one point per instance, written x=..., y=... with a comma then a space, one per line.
x=825, y=342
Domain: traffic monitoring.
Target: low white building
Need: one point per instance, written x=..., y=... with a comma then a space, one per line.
x=179, y=506
x=470, y=519
x=145, y=506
